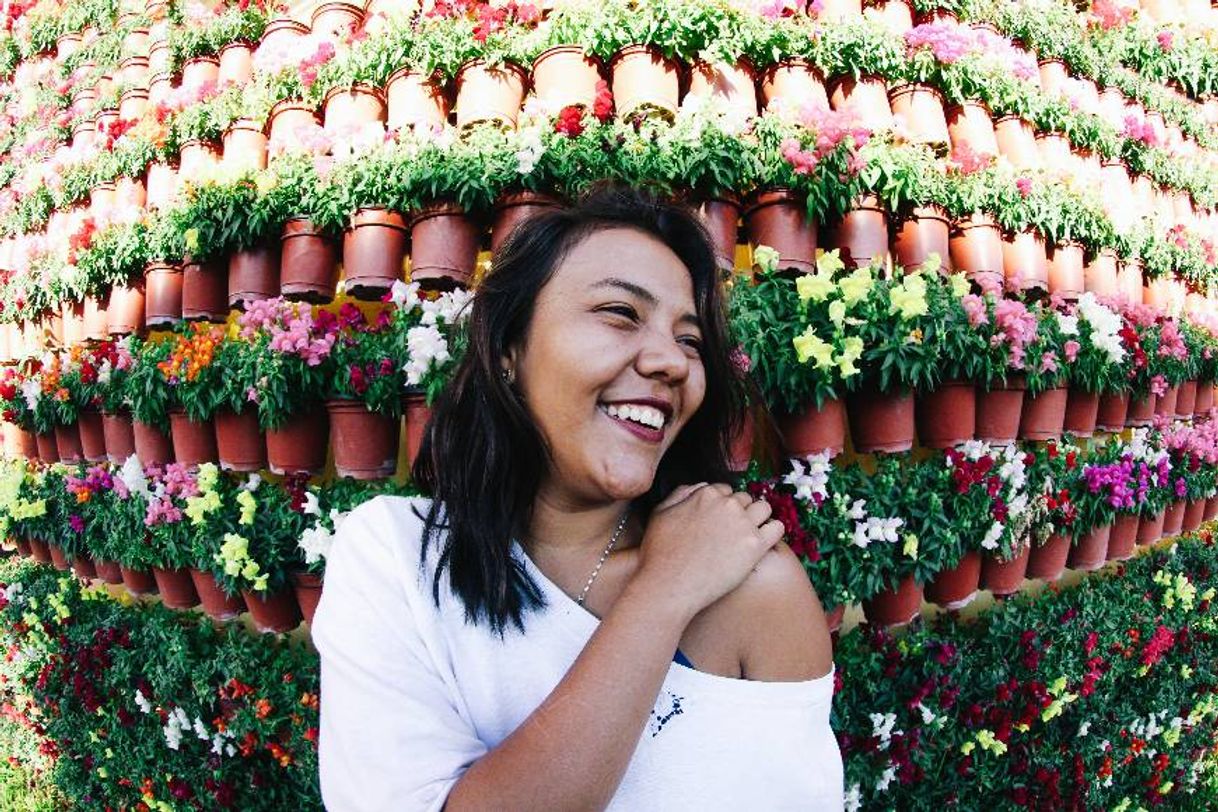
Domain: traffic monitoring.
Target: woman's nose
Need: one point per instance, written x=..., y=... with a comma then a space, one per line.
x=661, y=355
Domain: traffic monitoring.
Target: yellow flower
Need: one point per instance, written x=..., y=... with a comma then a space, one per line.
x=191, y=238
x=968, y=747
x=852, y=350
x=248, y=505
x=959, y=283
x=856, y=286
x=809, y=346
x=911, y=545
x=765, y=257
x=988, y=741
x=837, y=312
x=829, y=262
x=251, y=570
x=909, y=298
x=208, y=476
x=814, y=286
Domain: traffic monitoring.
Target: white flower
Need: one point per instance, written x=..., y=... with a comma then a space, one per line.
x=1084, y=728
x=425, y=345
x=312, y=507
x=1067, y=324
x=990, y=542
x=201, y=730
x=531, y=150
x=858, y=510
x=132, y=475
x=315, y=543
x=882, y=727
x=860, y=539
x=974, y=450
x=813, y=481
x=854, y=799
x=887, y=778
x=252, y=483
x=31, y=390
x=178, y=722
x=142, y=702
x=403, y=293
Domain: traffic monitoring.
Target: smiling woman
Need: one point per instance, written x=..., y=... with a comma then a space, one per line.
x=584, y=614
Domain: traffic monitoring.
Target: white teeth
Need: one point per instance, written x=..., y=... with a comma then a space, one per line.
x=646, y=415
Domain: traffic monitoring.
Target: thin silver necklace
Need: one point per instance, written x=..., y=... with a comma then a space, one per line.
x=612, y=543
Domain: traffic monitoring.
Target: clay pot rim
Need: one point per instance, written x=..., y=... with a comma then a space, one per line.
x=305, y=578
x=202, y=58
x=127, y=60
x=525, y=197
x=289, y=104
x=760, y=198
x=245, y=124
x=160, y=266
x=905, y=88
x=285, y=22
x=948, y=108
x=197, y=142
x=309, y=229
x=133, y=92
x=333, y=5
x=237, y=43
x=355, y=89
x=501, y=66
x=565, y=48
x=388, y=213
x=436, y=209
x=163, y=76
x=1010, y=116
x=832, y=82
x=431, y=78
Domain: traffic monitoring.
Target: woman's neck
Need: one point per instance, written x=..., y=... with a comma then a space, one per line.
x=562, y=528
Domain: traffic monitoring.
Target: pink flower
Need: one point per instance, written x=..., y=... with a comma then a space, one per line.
x=77, y=523
x=1048, y=362
x=1024, y=185
x=974, y=306
x=1165, y=39
x=1158, y=385
x=1071, y=349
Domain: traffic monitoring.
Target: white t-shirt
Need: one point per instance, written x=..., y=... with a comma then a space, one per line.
x=412, y=695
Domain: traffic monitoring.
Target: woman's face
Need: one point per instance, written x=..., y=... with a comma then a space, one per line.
x=609, y=367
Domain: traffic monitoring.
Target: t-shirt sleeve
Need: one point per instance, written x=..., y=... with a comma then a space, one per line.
x=392, y=734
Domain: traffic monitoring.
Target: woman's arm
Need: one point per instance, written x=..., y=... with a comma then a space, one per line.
x=778, y=601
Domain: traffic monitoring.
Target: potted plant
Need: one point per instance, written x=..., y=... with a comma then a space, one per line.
x=169, y=533
x=945, y=415
x=1007, y=328
x=221, y=505
x=291, y=359
x=240, y=442
x=1096, y=357
x=194, y=383
x=1053, y=475
x=150, y=398
x=1045, y=376
x=115, y=362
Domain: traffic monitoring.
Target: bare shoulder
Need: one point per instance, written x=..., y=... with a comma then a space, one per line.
x=777, y=622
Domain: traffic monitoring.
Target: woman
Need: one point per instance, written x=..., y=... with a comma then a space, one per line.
x=578, y=620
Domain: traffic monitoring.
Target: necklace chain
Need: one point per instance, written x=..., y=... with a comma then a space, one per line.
x=608, y=549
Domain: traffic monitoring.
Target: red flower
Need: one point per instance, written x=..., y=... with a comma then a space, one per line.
x=602, y=107
x=570, y=121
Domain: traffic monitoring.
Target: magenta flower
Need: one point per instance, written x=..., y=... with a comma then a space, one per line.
x=77, y=523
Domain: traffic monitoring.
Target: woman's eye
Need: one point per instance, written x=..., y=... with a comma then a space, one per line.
x=692, y=342
x=621, y=310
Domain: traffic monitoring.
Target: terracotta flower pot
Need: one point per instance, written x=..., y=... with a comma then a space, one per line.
x=721, y=217
x=275, y=612
x=490, y=93
x=1053, y=76
x=1047, y=561
x=1173, y=518
x=152, y=446
x=1186, y=399
x=412, y=98
x=881, y=421
x=866, y=97
x=1043, y=414
x=176, y=588
x=1066, y=275
x=138, y=582
x=236, y=64
x=1082, y=410
x=245, y=146
x=946, y=417
x=643, y=82
x=1141, y=410
x=815, y=430
x=204, y=291
x=96, y=319
x=26, y=444
x=133, y=103
x=125, y=311
x=161, y=184
x=1112, y=410
x=921, y=108
x=1090, y=552
x=352, y=107
x=40, y=550
x=444, y=242
x=162, y=295
x=776, y=218
x=239, y=440
x=976, y=248
x=193, y=443
x=1165, y=406
x=792, y=84
x=108, y=571
x=1017, y=142
x=23, y=547
x=1100, y=275
x=335, y=22
x=283, y=32
x=1194, y=513
x=73, y=323
x=732, y=87
x=834, y=617
x=1150, y=528
x=58, y=559
x=199, y=71
x=67, y=444
x=92, y=435
x=740, y=451
x=1123, y=537
x=862, y=234
x=894, y=607
x=308, y=593
x=511, y=210
x=1054, y=151
x=1004, y=577
x=119, y=437
x=1024, y=261
x=308, y=263
x=1205, y=398
x=373, y=249
x=287, y=123
x=926, y=231
x=197, y=158
x=216, y=602
x=955, y=588
x=253, y=275
x=83, y=567
x=300, y=444
x=969, y=126
x=48, y=450
x=365, y=443
x=999, y=412
x=1211, y=509
x=418, y=416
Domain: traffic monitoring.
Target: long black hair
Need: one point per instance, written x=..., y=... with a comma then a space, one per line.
x=482, y=458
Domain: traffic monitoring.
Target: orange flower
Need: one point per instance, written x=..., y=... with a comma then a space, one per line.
x=82, y=497
x=263, y=708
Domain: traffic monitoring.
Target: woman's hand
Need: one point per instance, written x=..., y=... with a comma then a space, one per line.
x=702, y=541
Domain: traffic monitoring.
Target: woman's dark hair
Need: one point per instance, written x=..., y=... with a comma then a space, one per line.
x=482, y=458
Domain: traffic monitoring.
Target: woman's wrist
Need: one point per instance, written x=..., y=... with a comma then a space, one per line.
x=665, y=608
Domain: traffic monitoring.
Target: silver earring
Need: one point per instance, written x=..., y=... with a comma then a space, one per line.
x=509, y=375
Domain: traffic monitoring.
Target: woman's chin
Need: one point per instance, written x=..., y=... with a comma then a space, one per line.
x=628, y=481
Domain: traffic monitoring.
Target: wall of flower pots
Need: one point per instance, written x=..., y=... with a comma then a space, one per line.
x=971, y=247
